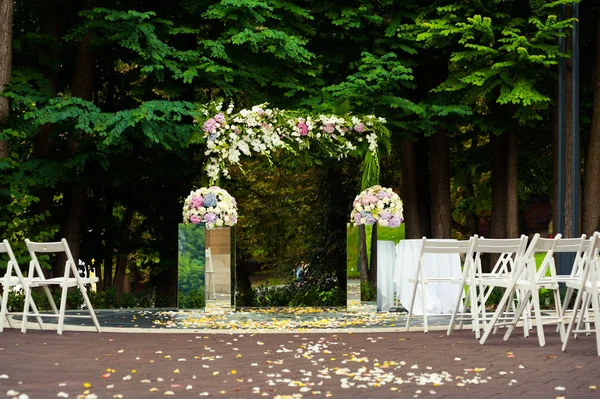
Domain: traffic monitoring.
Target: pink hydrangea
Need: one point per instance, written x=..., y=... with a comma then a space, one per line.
x=195, y=219
x=210, y=126
x=382, y=195
x=196, y=202
x=303, y=128
x=220, y=117
x=369, y=199
x=394, y=222
x=359, y=127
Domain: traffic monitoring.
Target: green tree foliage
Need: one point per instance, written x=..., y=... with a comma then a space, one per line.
x=463, y=69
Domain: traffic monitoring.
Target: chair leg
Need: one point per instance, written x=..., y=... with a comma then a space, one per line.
x=26, y=306
x=487, y=329
x=573, y=318
x=559, y=315
x=537, y=312
x=475, y=310
x=88, y=304
x=412, y=304
x=457, y=307
x=596, y=310
x=585, y=308
x=63, y=306
x=4, y=311
x=518, y=314
x=424, y=302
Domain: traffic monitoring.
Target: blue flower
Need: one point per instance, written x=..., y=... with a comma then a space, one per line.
x=210, y=200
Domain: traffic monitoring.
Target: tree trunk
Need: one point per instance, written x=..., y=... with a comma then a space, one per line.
x=82, y=87
x=363, y=260
x=123, y=254
x=48, y=60
x=73, y=202
x=512, y=205
x=554, y=111
x=439, y=177
x=423, y=187
x=409, y=191
x=568, y=138
x=107, y=279
x=498, y=148
x=373, y=264
x=591, y=193
x=471, y=217
x=6, y=24
x=499, y=186
x=166, y=289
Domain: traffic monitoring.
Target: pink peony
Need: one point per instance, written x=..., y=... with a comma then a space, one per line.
x=195, y=219
x=359, y=127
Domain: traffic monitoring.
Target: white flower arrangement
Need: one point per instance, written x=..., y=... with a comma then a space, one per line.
x=261, y=130
x=211, y=205
x=377, y=205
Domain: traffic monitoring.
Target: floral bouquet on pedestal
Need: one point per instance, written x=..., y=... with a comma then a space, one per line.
x=377, y=205
x=211, y=205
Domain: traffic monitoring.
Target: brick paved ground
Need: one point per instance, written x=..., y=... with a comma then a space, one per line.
x=368, y=364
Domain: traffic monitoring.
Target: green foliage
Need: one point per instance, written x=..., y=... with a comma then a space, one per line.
x=367, y=292
x=311, y=294
x=195, y=299
x=108, y=299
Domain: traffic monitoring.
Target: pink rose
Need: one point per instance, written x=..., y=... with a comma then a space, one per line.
x=359, y=127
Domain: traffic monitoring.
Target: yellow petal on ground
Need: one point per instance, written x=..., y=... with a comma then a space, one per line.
x=233, y=372
x=87, y=385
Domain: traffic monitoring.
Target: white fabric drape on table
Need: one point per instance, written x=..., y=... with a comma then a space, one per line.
x=386, y=259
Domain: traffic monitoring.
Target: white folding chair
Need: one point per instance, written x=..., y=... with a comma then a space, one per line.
x=525, y=282
x=579, y=246
x=435, y=246
x=71, y=278
x=588, y=293
x=9, y=281
x=479, y=285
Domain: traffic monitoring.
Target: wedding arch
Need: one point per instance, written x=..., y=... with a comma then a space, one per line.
x=230, y=136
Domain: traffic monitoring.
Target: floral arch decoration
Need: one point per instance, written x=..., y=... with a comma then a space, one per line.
x=263, y=130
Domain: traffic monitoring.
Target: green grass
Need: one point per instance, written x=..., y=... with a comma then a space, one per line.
x=383, y=233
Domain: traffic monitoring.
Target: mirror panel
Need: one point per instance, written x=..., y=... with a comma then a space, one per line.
x=191, y=265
